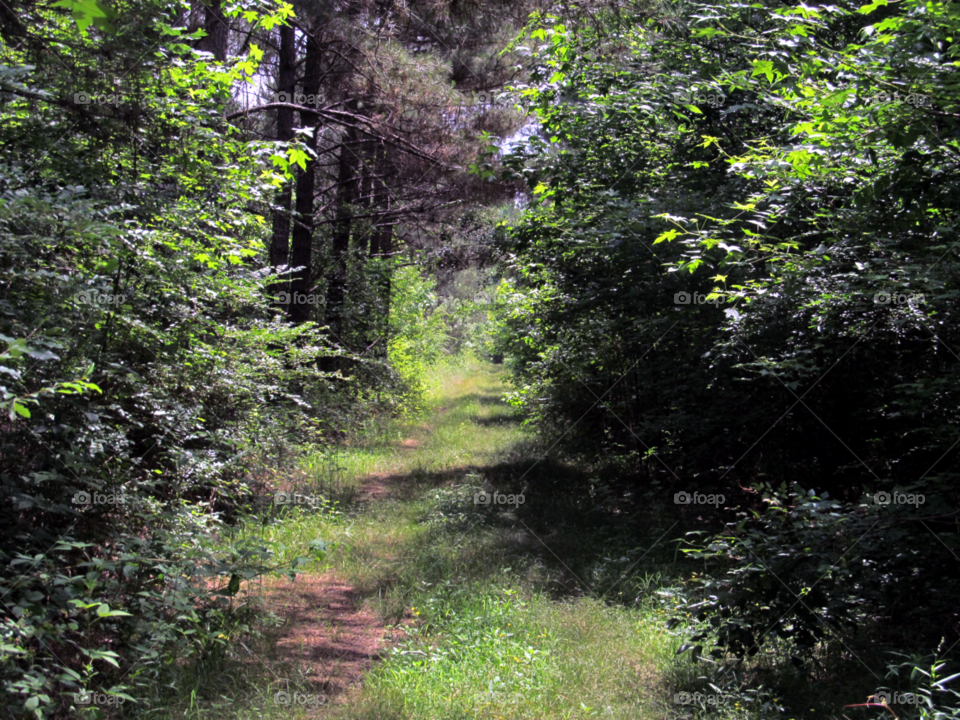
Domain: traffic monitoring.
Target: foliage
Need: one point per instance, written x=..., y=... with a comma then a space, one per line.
x=417, y=331
x=647, y=216
x=146, y=373
x=930, y=698
x=738, y=269
x=812, y=571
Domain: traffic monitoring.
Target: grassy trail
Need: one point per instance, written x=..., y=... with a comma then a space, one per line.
x=495, y=622
x=491, y=611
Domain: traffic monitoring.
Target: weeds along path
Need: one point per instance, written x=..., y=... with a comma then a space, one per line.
x=431, y=605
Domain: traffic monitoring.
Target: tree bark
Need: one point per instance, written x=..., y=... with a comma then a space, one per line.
x=302, y=243
x=286, y=86
x=381, y=241
x=215, y=25
x=365, y=200
x=381, y=246
x=347, y=192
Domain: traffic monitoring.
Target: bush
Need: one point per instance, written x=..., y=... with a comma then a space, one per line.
x=809, y=570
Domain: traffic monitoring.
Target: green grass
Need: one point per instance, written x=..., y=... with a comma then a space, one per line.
x=492, y=629
x=552, y=610
x=497, y=655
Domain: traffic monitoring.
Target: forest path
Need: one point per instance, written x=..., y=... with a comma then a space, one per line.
x=330, y=631
x=431, y=605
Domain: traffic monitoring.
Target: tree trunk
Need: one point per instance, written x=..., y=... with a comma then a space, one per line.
x=302, y=244
x=381, y=246
x=381, y=241
x=347, y=191
x=215, y=25
x=286, y=88
x=365, y=200
x=365, y=286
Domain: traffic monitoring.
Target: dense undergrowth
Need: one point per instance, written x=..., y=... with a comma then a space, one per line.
x=736, y=280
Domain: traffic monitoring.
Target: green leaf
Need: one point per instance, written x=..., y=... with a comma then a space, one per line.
x=298, y=156
x=104, y=611
x=763, y=67
x=89, y=12
x=707, y=32
x=666, y=236
x=867, y=9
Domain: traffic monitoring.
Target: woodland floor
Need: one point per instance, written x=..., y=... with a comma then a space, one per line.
x=326, y=627
x=429, y=606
